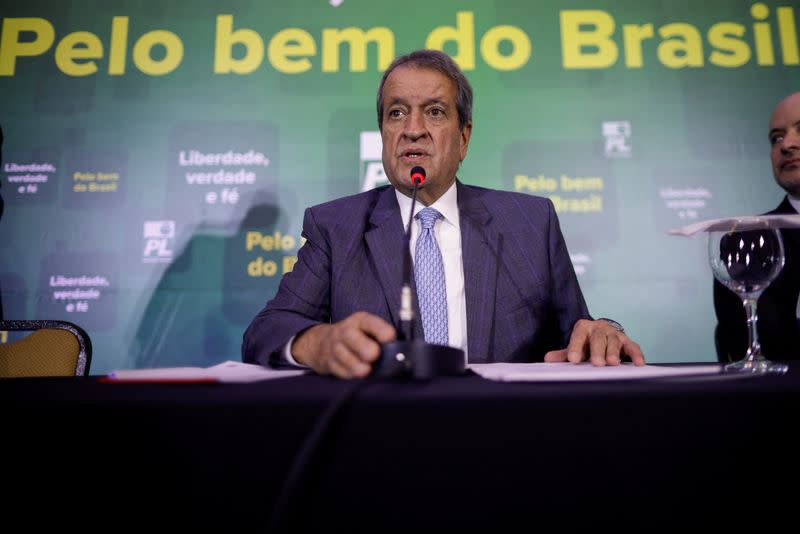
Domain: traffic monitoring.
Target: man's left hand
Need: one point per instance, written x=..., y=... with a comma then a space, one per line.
x=598, y=342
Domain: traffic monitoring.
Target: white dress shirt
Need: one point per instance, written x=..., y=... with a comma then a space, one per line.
x=795, y=202
x=448, y=236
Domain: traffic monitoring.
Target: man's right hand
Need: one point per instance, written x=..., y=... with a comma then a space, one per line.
x=346, y=349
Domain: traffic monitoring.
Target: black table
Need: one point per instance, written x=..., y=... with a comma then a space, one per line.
x=453, y=454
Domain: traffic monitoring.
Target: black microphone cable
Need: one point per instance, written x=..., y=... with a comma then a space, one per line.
x=289, y=500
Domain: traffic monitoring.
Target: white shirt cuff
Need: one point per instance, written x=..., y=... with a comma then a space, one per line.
x=287, y=354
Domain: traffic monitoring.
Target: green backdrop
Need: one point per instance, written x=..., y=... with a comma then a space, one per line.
x=159, y=155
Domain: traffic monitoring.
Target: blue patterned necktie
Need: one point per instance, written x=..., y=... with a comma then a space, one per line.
x=429, y=275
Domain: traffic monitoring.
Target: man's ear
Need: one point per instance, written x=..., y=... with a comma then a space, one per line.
x=466, y=132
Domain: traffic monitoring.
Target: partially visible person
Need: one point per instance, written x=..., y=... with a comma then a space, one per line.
x=1, y=166
x=502, y=289
x=1, y=209
x=778, y=325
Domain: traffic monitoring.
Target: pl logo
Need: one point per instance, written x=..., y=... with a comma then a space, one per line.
x=370, y=161
x=618, y=136
x=158, y=236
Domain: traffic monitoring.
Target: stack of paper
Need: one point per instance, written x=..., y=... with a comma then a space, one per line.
x=546, y=372
x=229, y=371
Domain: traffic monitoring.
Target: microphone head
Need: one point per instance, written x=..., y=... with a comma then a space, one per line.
x=417, y=175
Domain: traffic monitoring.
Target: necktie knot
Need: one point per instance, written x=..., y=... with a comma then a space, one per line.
x=428, y=217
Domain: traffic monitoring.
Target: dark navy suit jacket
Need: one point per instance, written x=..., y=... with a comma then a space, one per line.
x=522, y=295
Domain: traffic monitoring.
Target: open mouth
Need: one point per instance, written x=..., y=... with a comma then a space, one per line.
x=414, y=154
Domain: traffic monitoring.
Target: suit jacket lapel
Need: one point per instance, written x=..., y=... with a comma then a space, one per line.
x=385, y=244
x=791, y=236
x=479, y=242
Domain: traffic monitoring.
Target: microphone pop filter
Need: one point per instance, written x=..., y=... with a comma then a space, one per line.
x=418, y=175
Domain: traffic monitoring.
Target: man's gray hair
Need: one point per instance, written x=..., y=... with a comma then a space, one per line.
x=441, y=62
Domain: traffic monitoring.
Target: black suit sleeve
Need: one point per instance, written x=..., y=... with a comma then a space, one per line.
x=730, y=336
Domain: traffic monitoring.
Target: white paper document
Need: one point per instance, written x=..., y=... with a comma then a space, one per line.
x=739, y=224
x=229, y=371
x=552, y=372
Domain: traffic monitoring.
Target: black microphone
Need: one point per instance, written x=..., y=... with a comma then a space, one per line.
x=408, y=356
x=406, y=298
x=417, y=178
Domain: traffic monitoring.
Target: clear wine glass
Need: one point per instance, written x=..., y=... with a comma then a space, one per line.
x=746, y=257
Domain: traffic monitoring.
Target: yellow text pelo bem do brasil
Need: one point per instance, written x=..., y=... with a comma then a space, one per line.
x=590, y=39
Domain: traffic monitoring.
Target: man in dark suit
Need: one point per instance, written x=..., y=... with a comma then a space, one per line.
x=511, y=291
x=778, y=306
x=1, y=211
x=1, y=163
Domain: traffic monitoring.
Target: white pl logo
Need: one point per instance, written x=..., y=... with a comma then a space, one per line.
x=618, y=135
x=371, y=166
x=158, y=236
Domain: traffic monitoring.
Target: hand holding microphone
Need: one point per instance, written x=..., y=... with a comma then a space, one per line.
x=365, y=344
x=350, y=347
x=409, y=356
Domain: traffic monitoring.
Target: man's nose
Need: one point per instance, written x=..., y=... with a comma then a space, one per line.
x=790, y=142
x=415, y=125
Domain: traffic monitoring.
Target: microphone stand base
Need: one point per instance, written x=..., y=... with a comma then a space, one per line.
x=419, y=360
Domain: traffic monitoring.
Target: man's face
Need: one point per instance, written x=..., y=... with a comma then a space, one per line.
x=784, y=135
x=420, y=127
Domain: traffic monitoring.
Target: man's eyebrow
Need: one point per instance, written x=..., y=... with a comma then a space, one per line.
x=782, y=130
x=432, y=100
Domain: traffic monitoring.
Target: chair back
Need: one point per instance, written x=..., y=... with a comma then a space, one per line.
x=54, y=348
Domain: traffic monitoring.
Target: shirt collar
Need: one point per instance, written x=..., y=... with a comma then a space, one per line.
x=795, y=202
x=447, y=205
